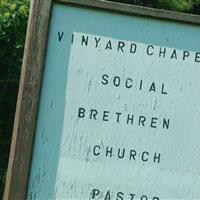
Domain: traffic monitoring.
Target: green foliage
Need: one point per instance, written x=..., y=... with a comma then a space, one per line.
x=177, y=5
x=174, y=5
x=13, y=21
x=13, y=17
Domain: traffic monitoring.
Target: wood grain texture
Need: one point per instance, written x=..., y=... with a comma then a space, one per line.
x=26, y=111
x=137, y=10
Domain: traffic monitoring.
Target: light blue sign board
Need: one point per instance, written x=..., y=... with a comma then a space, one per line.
x=119, y=109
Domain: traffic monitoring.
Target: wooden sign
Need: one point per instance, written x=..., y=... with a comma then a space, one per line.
x=109, y=104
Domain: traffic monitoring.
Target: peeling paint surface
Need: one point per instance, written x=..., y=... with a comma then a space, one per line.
x=118, y=119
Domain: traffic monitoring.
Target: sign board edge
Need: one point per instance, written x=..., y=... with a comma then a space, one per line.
x=137, y=10
x=27, y=101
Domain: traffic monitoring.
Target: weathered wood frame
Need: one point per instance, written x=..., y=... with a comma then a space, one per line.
x=31, y=78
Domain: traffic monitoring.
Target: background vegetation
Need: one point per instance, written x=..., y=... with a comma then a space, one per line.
x=13, y=22
x=189, y=6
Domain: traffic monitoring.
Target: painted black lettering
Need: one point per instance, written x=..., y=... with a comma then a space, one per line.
x=129, y=83
x=162, y=52
x=132, y=196
x=105, y=115
x=72, y=39
x=133, y=153
x=150, y=47
x=81, y=113
x=121, y=153
x=154, y=122
x=145, y=155
x=118, y=114
x=152, y=87
x=133, y=48
x=141, y=82
x=116, y=81
x=97, y=40
x=84, y=40
x=121, y=45
x=96, y=150
x=109, y=151
x=144, y=197
x=142, y=119
x=166, y=123
x=60, y=35
x=174, y=54
x=109, y=45
x=93, y=114
x=185, y=54
x=104, y=79
x=130, y=118
x=120, y=196
x=157, y=158
x=95, y=192
x=163, y=89
x=107, y=197
x=197, y=57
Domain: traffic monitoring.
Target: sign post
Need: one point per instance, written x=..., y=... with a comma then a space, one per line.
x=109, y=104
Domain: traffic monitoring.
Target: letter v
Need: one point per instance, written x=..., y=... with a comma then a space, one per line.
x=60, y=35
